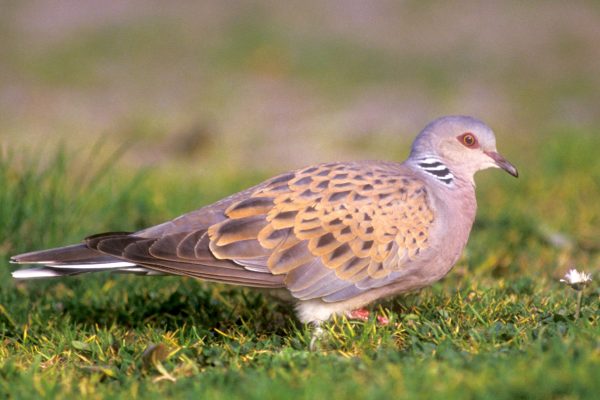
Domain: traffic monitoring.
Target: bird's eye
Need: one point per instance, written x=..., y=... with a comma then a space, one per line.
x=468, y=139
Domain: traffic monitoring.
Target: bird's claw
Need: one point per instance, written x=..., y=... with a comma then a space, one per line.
x=362, y=314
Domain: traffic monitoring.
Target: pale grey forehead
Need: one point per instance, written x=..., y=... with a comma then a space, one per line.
x=457, y=124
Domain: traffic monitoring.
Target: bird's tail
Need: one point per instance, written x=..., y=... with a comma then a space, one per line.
x=71, y=260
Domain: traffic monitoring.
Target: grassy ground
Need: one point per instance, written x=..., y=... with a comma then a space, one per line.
x=499, y=326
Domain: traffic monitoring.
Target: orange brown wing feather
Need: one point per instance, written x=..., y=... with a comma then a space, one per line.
x=343, y=222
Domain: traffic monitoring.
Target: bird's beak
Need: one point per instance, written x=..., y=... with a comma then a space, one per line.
x=501, y=162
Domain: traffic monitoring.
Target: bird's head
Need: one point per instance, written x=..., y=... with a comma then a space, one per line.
x=465, y=144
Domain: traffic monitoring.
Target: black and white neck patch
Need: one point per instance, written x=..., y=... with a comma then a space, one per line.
x=437, y=169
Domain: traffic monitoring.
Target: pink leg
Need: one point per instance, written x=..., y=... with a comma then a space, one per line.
x=362, y=314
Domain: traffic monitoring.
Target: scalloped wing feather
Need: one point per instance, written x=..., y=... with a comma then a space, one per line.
x=329, y=231
x=349, y=225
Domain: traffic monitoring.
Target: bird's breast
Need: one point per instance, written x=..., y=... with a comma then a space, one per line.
x=454, y=216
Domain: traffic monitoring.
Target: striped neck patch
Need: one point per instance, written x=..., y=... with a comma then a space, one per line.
x=437, y=169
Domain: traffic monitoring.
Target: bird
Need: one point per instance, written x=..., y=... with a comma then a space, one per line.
x=331, y=238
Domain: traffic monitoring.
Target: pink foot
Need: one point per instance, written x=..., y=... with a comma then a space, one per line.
x=362, y=314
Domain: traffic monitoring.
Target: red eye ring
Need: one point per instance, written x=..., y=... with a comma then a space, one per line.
x=469, y=140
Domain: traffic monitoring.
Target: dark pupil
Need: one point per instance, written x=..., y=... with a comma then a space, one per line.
x=469, y=140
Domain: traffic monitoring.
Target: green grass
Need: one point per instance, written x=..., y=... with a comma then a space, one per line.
x=499, y=326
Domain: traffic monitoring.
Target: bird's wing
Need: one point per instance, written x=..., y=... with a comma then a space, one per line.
x=332, y=230
x=328, y=231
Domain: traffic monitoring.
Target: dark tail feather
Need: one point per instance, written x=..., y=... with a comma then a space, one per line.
x=71, y=260
x=77, y=253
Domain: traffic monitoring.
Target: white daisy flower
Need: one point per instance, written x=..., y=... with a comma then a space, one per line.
x=577, y=280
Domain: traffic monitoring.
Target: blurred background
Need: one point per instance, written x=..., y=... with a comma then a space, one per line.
x=270, y=85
